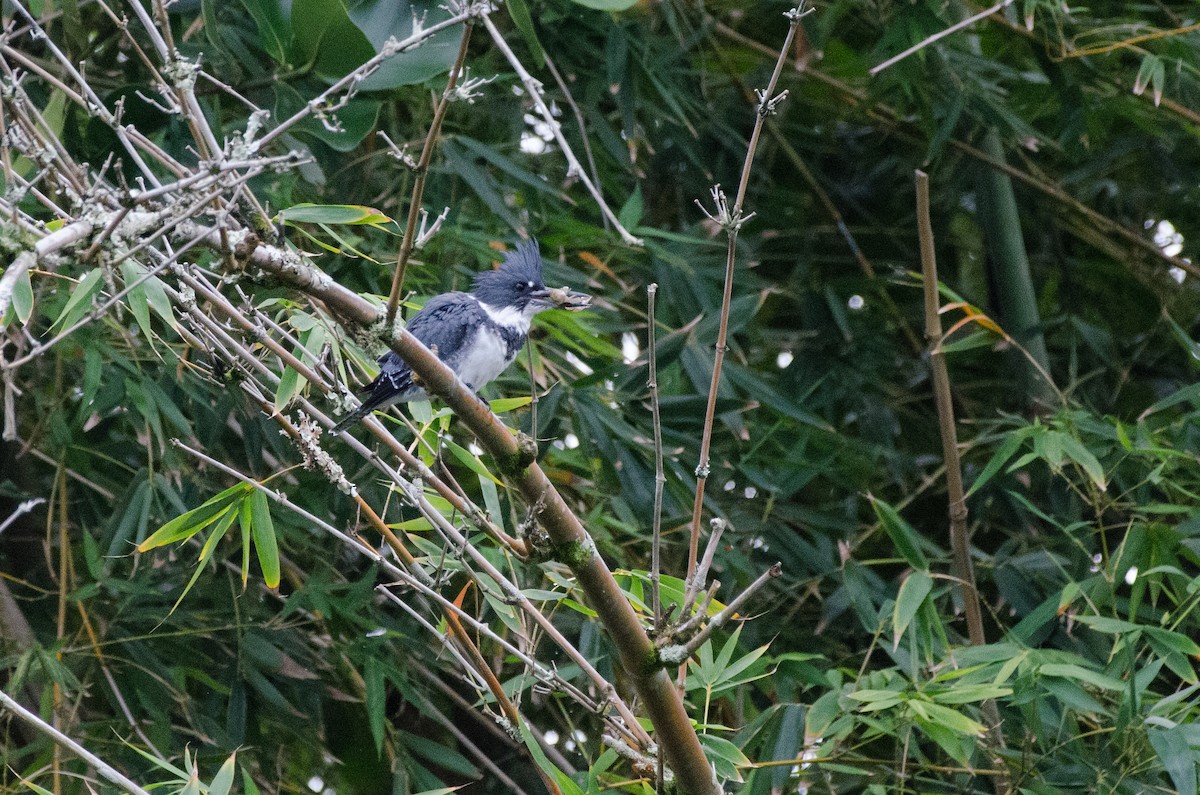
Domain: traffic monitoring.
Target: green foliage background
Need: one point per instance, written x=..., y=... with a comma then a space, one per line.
x=826, y=457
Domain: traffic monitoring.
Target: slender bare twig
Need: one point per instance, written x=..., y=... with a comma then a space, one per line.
x=534, y=89
x=717, y=526
x=24, y=507
x=105, y=770
x=422, y=169
x=659, y=477
x=679, y=654
x=938, y=36
x=322, y=101
x=583, y=136
x=731, y=219
x=484, y=758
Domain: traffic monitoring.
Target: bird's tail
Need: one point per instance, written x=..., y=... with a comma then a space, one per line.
x=353, y=417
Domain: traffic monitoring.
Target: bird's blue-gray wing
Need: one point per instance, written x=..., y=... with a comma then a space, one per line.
x=446, y=322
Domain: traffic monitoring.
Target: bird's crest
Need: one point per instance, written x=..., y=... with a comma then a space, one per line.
x=522, y=264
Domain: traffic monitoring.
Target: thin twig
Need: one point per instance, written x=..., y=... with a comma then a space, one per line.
x=354, y=78
x=731, y=610
x=105, y=770
x=422, y=169
x=938, y=36
x=583, y=136
x=659, y=477
x=732, y=220
x=534, y=89
x=24, y=507
x=716, y=526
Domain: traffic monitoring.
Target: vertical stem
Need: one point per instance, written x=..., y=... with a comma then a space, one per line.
x=533, y=391
x=731, y=230
x=959, y=541
x=659, y=476
x=418, y=191
x=61, y=626
x=945, y=410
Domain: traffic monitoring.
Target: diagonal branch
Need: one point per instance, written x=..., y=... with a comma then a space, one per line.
x=515, y=456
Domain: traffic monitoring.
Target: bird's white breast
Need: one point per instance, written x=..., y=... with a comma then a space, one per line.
x=487, y=355
x=486, y=358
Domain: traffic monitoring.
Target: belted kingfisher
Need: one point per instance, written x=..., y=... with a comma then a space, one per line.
x=478, y=334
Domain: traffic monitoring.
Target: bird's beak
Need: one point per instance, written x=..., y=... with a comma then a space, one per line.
x=563, y=298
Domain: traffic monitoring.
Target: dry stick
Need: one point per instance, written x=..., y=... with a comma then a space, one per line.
x=659, y=480
x=534, y=89
x=105, y=770
x=730, y=610
x=732, y=221
x=350, y=81
x=91, y=102
x=959, y=542
x=418, y=191
x=717, y=526
x=485, y=721
x=587, y=147
x=50, y=244
x=939, y=35
x=659, y=476
x=472, y=750
x=540, y=671
x=945, y=409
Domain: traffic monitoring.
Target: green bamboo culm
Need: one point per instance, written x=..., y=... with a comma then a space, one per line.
x=1015, y=295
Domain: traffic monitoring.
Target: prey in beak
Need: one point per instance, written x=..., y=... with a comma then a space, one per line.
x=565, y=298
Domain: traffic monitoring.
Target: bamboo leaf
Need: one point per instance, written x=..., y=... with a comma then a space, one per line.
x=80, y=300
x=376, y=690
x=22, y=299
x=262, y=530
x=195, y=520
x=136, y=297
x=908, y=601
x=226, y=521
x=223, y=781
x=519, y=11
x=470, y=461
x=903, y=535
x=349, y=214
